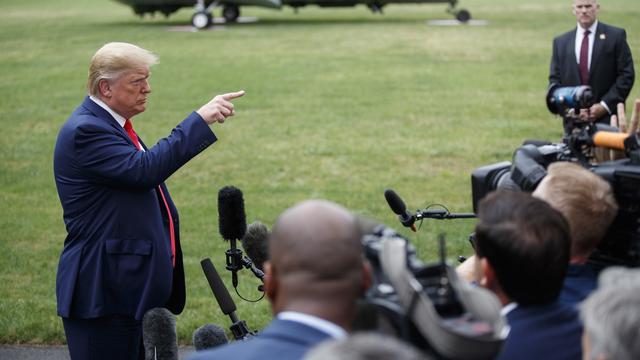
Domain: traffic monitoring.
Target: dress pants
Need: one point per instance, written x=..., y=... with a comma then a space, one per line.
x=109, y=337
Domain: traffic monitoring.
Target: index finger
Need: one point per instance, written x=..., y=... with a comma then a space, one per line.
x=621, y=115
x=233, y=95
x=635, y=117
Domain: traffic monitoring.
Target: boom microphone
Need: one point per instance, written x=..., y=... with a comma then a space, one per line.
x=159, y=335
x=228, y=307
x=399, y=208
x=255, y=243
x=209, y=336
x=232, y=225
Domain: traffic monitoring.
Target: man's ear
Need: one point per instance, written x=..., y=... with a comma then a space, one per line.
x=270, y=281
x=486, y=275
x=104, y=88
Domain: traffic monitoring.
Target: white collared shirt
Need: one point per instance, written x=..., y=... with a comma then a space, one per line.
x=592, y=36
x=503, y=312
x=315, y=322
x=119, y=118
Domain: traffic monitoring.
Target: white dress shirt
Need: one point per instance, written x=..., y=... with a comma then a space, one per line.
x=315, y=322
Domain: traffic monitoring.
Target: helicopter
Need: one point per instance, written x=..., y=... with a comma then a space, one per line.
x=203, y=17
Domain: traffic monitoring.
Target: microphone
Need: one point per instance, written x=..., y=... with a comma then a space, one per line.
x=209, y=336
x=612, y=140
x=159, y=335
x=399, y=208
x=239, y=327
x=232, y=225
x=255, y=243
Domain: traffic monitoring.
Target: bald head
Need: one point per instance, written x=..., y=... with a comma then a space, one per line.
x=316, y=239
x=315, y=257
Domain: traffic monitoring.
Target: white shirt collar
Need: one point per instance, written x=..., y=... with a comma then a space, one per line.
x=115, y=115
x=315, y=322
x=508, y=308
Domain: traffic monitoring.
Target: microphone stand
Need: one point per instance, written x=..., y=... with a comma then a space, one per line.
x=442, y=215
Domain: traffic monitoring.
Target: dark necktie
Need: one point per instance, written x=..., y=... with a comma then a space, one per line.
x=584, y=59
x=134, y=137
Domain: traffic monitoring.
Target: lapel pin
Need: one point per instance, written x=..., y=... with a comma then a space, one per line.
x=603, y=36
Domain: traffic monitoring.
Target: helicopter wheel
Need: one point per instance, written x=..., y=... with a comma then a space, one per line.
x=230, y=13
x=201, y=20
x=463, y=15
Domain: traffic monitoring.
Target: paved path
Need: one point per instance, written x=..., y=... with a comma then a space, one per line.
x=24, y=352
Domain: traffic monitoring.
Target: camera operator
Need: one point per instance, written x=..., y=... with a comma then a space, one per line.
x=594, y=54
x=522, y=246
x=314, y=275
x=587, y=202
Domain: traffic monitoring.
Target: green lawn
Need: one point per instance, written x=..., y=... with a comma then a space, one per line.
x=341, y=104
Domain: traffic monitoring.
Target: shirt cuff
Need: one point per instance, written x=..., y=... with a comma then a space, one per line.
x=604, y=104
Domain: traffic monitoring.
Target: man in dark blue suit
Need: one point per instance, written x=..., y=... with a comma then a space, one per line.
x=122, y=254
x=522, y=246
x=313, y=278
x=594, y=54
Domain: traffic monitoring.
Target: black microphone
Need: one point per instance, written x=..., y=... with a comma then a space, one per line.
x=232, y=224
x=209, y=336
x=399, y=208
x=228, y=307
x=159, y=335
x=255, y=243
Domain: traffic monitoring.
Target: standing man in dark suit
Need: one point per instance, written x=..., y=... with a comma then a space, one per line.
x=314, y=275
x=122, y=254
x=522, y=248
x=594, y=54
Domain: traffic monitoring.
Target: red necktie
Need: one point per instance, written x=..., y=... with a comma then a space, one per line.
x=584, y=59
x=134, y=137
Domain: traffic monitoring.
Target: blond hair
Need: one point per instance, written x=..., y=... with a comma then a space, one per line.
x=585, y=199
x=113, y=60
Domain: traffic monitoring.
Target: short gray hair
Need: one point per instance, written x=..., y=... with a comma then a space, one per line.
x=113, y=60
x=611, y=317
x=365, y=346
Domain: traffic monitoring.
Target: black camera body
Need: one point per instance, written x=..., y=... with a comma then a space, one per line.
x=426, y=304
x=621, y=245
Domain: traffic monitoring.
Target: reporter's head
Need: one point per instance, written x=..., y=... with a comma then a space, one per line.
x=522, y=244
x=585, y=199
x=315, y=262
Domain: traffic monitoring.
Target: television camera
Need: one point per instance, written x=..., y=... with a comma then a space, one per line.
x=621, y=245
x=425, y=304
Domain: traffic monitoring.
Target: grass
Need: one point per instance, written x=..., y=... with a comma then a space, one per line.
x=341, y=104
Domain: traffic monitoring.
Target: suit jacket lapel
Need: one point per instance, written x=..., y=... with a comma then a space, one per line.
x=598, y=44
x=101, y=113
x=573, y=64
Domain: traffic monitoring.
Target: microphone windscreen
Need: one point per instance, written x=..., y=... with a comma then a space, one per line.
x=231, y=218
x=159, y=335
x=255, y=243
x=209, y=336
x=395, y=203
x=217, y=287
